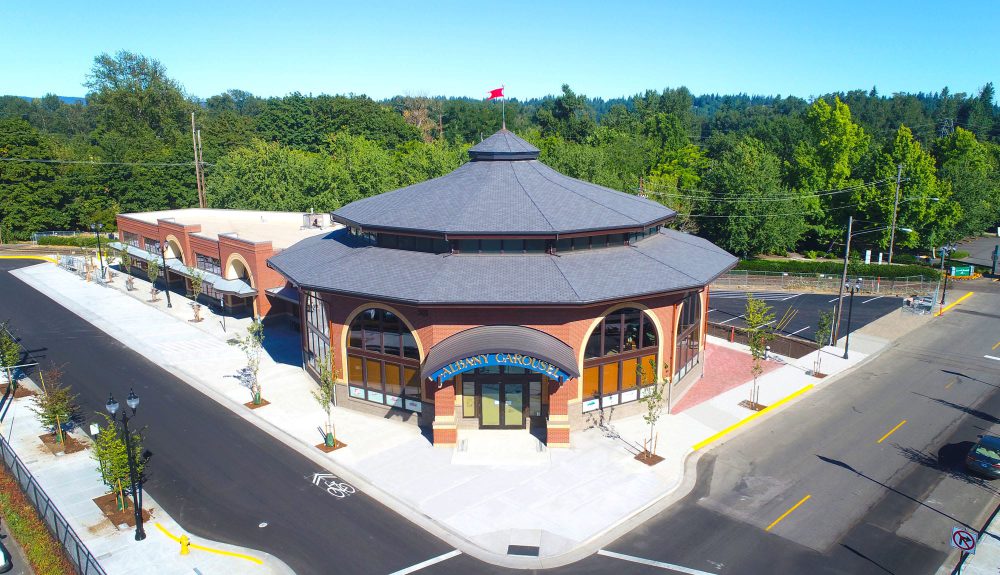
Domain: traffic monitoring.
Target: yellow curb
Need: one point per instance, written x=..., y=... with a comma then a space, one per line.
x=954, y=303
x=750, y=418
x=209, y=549
x=46, y=258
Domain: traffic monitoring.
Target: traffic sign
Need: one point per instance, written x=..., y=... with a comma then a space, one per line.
x=961, y=271
x=964, y=539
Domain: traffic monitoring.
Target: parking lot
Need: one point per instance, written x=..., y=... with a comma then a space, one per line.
x=728, y=308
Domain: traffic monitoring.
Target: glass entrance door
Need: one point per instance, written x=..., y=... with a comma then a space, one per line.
x=489, y=405
x=501, y=405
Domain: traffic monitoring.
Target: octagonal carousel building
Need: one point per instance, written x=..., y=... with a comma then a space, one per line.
x=504, y=295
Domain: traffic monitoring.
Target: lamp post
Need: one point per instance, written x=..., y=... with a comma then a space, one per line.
x=945, y=250
x=166, y=278
x=856, y=286
x=96, y=227
x=112, y=406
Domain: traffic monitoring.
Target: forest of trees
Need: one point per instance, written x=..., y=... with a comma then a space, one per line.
x=756, y=174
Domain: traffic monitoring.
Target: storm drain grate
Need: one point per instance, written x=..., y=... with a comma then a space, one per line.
x=526, y=550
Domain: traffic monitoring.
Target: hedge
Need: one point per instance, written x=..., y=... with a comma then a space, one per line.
x=836, y=268
x=43, y=551
x=78, y=241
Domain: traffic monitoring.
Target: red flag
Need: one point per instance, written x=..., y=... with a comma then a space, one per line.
x=496, y=93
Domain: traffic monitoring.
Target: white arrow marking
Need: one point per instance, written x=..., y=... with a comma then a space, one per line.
x=317, y=477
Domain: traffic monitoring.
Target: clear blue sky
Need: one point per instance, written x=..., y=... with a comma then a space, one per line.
x=600, y=48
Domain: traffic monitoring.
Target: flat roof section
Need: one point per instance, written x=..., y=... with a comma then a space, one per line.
x=282, y=228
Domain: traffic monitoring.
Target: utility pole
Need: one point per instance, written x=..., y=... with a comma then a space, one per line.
x=203, y=202
x=843, y=279
x=197, y=165
x=895, y=210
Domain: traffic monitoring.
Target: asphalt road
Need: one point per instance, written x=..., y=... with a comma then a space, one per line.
x=728, y=307
x=215, y=473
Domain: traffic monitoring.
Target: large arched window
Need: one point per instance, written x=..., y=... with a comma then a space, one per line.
x=383, y=362
x=688, y=335
x=619, y=360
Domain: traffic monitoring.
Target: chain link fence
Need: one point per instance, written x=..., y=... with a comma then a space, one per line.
x=81, y=557
x=746, y=280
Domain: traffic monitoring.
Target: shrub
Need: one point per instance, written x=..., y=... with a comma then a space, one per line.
x=905, y=259
x=836, y=268
x=78, y=241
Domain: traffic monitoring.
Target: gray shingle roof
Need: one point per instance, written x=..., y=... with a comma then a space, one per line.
x=504, y=145
x=511, y=197
x=339, y=262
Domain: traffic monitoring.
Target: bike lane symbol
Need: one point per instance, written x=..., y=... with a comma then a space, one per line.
x=330, y=482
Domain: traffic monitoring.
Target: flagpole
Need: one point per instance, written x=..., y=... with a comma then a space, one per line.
x=503, y=110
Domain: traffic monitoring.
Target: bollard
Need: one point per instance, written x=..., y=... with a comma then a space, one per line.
x=185, y=545
x=732, y=335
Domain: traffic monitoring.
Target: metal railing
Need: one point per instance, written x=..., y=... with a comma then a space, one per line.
x=745, y=279
x=81, y=557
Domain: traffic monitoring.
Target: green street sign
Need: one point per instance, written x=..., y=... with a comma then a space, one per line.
x=961, y=271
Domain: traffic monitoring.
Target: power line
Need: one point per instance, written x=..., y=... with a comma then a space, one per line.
x=95, y=163
x=785, y=198
x=767, y=215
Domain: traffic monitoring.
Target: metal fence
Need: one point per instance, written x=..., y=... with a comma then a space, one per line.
x=81, y=557
x=786, y=345
x=746, y=280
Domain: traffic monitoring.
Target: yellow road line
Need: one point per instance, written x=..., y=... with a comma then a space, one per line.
x=891, y=431
x=46, y=258
x=209, y=549
x=950, y=384
x=996, y=345
x=787, y=513
x=954, y=303
x=749, y=418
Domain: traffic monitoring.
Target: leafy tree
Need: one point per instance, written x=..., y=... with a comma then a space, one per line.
x=56, y=405
x=10, y=354
x=252, y=346
x=758, y=317
x=197, y=281
x=568, y=116
x=967, y=166
x=111, y=455
x=153, y=272
x=654, y=401
x=325, y=394
x=30, y=198
x=750, y=212
x=823, y=333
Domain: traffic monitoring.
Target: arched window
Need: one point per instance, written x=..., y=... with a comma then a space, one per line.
x=383, y=363
x=619, y=361
x=688, y=335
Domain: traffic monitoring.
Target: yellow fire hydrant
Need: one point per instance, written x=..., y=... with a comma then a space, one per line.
x=185, y=545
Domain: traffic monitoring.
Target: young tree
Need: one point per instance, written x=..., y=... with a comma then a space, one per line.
x=125, y=266
x=824, y=329
x=10, y=354
x=153, y=272
x=111, y=455
x=653, y=401
x=325, y=395
x=197, y=281
x=252, y=345
x=56, y=405
x=758, y=317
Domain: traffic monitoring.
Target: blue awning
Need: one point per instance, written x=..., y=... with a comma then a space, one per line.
x=220, y=284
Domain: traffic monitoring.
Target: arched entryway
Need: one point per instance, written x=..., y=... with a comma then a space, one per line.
x=237, y=268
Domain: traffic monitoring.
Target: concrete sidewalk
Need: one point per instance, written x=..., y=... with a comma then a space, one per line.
x=564, y=503
x=72, y=481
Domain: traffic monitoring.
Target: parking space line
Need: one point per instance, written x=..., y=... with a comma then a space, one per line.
x=731, y=319
x=428, y=563
x=833, y=300
x=873, y=299
x=803, y=329
x=794, y=295
x=891, y=431
x=992, y=357
x=787, y=513
x=652, y=563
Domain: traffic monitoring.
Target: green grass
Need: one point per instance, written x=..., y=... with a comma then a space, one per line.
x=44, y=553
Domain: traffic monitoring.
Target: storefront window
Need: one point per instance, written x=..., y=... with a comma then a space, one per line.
x=688, y=336
x=383, y=359
x=317, y=330
x=131, y=239
x=619, y=358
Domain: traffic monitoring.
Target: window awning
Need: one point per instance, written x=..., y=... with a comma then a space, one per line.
x=237, y=287
x=287, y=293
x=512, y=345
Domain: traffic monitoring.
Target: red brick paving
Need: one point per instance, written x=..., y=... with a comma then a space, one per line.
x=725, y=369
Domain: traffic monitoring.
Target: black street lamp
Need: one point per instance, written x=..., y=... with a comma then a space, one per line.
x=856, y=286
x=945, y=250
x=166, y=278
x=97, y=233
x=112, y=406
